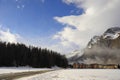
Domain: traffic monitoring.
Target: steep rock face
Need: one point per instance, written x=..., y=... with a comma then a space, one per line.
x=104, y=49
x=110, y=39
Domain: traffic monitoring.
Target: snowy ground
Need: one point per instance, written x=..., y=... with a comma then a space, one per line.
x=78, y=74
x=19, y=69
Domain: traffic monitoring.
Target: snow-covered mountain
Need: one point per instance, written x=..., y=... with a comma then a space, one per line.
x=112, y=33
x=100, y=49
x=106, y=39
x=75, y=53
x=74, y=56
x=93, y=41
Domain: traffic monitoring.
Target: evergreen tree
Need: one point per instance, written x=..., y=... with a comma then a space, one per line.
x=20, y=55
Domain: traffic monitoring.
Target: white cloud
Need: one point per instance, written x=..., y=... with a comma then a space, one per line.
x=6, y=35
x=18, y=6
x=70, y=36
x=60, y=48
x=98, y=15
x=23, y=6
x=42, y=1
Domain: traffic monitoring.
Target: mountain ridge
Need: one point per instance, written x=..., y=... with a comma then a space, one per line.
x=101, y=49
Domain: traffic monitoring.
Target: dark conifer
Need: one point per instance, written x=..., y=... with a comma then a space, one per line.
x=20, y=55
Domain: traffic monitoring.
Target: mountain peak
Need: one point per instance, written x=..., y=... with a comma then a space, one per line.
x=112, y=33
x=104, y=49
x=113, y=30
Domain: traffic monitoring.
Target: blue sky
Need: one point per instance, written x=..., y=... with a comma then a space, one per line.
x=33, y=20
x=60, y=25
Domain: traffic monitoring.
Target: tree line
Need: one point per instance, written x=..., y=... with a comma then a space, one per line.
x=12, y=54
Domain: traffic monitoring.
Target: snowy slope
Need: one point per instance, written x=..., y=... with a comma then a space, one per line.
x=75, y=53
x=78, y=74
x=74, y=56
x=93, y=41
x=19, y=69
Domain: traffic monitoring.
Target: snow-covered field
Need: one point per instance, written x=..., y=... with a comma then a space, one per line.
x=78, y=74
x=19, y=69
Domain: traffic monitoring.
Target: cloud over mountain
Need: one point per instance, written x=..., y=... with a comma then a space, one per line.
x=97, y=16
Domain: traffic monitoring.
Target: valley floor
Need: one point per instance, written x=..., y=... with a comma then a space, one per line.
x=24, y=73
x=4, y=70
x=11, y=73
x=13, y=76
x=78, y=74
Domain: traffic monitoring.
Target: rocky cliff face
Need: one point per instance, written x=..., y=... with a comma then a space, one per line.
x=104, y=49
x=110, y=39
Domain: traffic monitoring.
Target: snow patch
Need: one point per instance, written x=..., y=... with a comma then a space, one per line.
x=111, y=36
x=112, y=33
x=93, y=41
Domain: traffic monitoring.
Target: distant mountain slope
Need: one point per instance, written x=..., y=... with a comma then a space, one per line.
x=74, y=56
x=101, y=49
